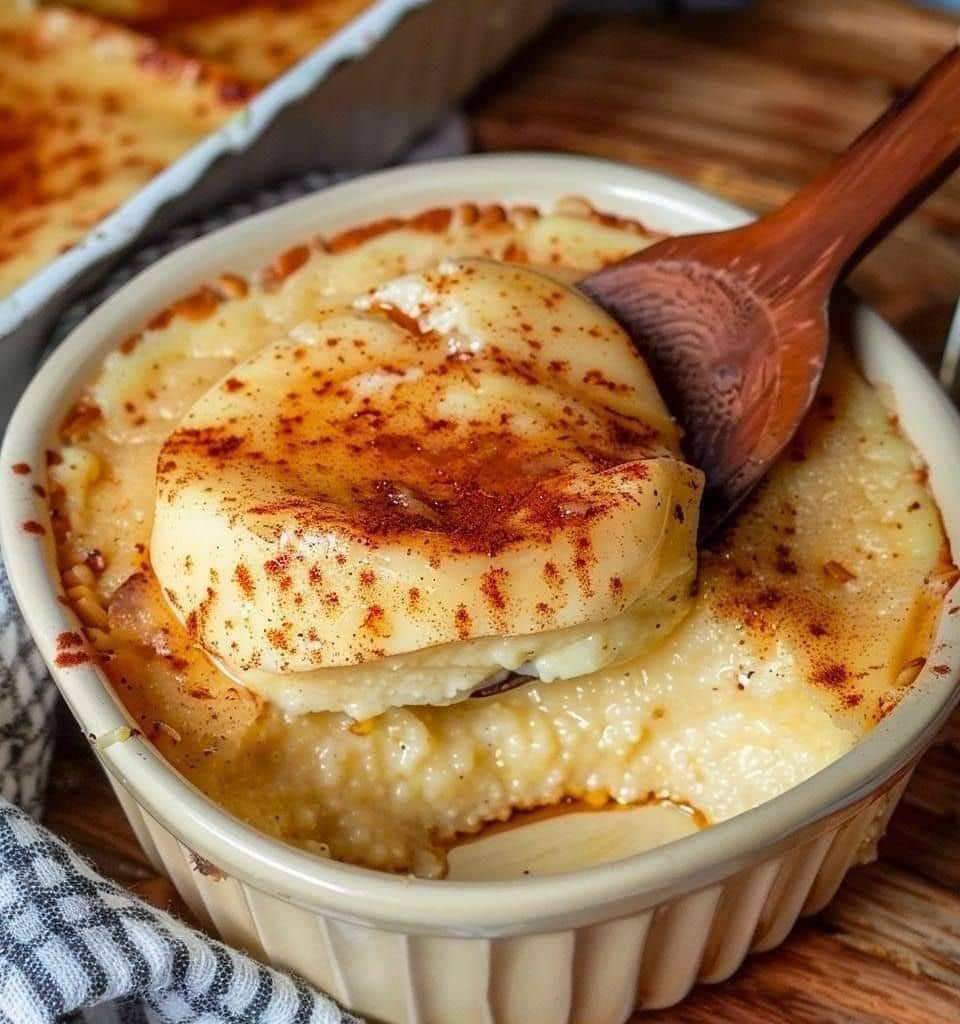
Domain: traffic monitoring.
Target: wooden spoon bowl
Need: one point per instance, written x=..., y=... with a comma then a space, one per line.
x=734, y=323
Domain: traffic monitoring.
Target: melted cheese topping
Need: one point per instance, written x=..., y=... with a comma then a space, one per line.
x=255, y=39
x=474, y=452
x=812, y=618
x=88, y=114
x=94, y=105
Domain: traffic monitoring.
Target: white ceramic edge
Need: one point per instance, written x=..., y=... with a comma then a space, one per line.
x=349, y=43
x=478, y=909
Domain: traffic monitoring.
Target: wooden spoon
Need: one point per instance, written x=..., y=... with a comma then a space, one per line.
x=734, y=323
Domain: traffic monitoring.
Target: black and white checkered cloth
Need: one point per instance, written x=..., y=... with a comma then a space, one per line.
x=74, y=945
x=70, y=938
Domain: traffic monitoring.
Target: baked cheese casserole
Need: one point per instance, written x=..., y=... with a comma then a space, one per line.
x=395, y=539
x=256, y=40
x=93, y=105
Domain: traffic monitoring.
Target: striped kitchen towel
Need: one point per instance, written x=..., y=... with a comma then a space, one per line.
x=71, y=939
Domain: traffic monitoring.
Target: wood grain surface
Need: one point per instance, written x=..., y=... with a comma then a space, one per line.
x=748, y=105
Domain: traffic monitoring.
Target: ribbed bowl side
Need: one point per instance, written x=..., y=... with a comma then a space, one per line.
x=597, y=974
x=856, y=843
x=607, y=967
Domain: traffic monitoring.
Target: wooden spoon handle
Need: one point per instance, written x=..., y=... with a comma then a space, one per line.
x=893, y=166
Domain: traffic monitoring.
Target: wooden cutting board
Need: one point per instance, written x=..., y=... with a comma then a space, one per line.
x=748, y=105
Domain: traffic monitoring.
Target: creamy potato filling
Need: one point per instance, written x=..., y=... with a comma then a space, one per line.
x=811, y=617
x=449, y=672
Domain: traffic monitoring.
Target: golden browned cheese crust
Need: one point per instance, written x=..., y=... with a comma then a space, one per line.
x=813, y=616
x=255, y=40
x=89, y=112
x=96, y=101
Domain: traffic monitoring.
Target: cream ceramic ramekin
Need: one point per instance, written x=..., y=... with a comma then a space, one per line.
x=587, y=946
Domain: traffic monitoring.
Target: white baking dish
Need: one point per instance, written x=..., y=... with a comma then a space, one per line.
x=584, y=947
x=355, y=102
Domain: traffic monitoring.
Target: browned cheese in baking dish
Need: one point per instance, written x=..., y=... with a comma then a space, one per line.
x=98, y=96
x=89, y=112
x=256, y=40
